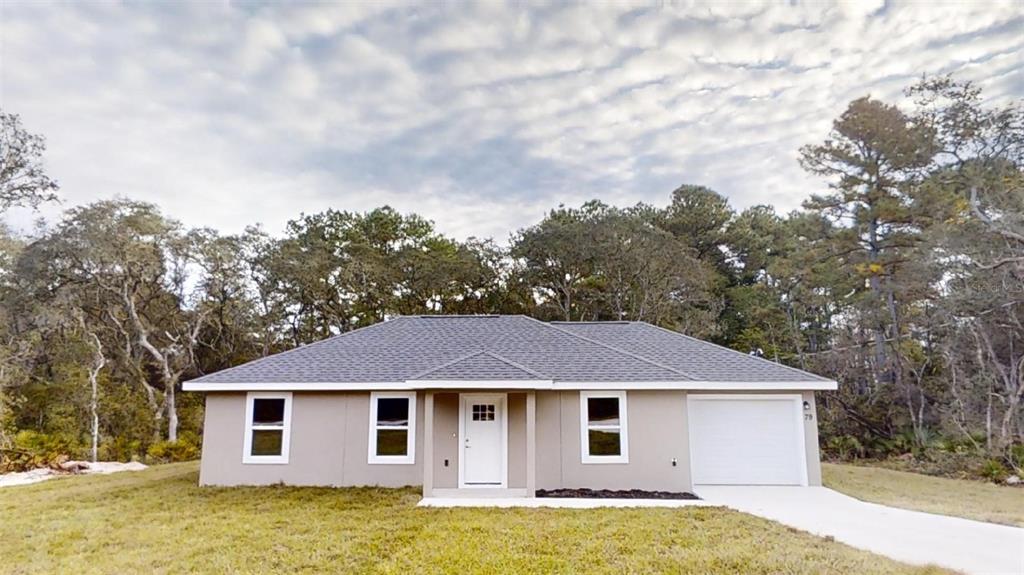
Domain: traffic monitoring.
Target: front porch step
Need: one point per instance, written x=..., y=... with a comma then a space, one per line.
x=479, y=493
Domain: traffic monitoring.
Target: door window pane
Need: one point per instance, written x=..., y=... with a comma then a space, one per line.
x=483, y=412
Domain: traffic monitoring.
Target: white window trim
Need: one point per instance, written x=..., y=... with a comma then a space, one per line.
x=585, y=426
x=410, y=449
x=286, y=429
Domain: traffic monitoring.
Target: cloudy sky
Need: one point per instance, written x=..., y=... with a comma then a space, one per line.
x=479, y=117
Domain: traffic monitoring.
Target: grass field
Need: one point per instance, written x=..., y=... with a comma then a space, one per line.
x=159, y=521
x=957, y=497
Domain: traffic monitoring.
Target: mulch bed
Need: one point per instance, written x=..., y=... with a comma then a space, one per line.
x=612, y=494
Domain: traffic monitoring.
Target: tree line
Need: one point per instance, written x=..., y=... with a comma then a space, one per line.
x=904, y=281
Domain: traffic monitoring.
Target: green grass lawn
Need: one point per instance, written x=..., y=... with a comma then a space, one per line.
x=958, y=497
x=160, y=521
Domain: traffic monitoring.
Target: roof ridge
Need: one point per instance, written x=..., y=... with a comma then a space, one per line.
x=481, y=351
x=456, y=315
x=592, y=322
x=429, y=370
x=304, y=346
x=516, y=365
x=729, y=349
x=611, y=347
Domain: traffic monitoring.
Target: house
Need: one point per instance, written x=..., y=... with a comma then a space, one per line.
x=506, y=405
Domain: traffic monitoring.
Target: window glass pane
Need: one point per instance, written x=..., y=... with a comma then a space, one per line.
x=393, y=411
x=483, y=412
x=268, y=411
x=603, y=410
x=392, y=442
x=605, y=442
x=266, y=441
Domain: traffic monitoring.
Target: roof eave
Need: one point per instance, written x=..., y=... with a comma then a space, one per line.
x=534, y=384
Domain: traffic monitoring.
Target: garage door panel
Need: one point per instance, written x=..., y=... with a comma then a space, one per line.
x=746, y=441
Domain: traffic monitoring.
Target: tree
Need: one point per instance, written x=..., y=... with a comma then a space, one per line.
x=981, y=154
x=16, y=350
x=235, y=328
x=335, y=271
x=491, y=282
x=905, y=282
x=756, y=319
x=23, y=182
x=700, y=217
x=976, y=200
x=557, y=258
x=598, y=262
x=99, y=361
x=127, y=266
x=873, y=154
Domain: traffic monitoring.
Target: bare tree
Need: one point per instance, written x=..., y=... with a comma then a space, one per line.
x=23, y=182
x=97, y=365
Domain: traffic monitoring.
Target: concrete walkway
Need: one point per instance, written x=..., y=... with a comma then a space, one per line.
x=556, y=502
x=909, y=536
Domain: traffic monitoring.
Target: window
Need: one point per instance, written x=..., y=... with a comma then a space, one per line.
x=268, y=420
x=483, y=412
x=393, y=427
x=603, y=436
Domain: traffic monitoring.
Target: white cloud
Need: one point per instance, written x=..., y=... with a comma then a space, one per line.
x=261, y=44
x=481, y=117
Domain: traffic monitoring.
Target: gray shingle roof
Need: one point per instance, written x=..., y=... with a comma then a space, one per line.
x=507, y=348
x=699, y=359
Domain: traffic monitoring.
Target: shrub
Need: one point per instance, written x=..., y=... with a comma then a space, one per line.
x=1016, y=457
x=960, y=444
x=31, y=449
x=186, y=448
x=844, y=447
x=120, y=448
x=993, y=470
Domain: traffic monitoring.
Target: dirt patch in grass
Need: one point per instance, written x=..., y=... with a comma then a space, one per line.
x=160, y=521
x=611, y=494
x=957, y=497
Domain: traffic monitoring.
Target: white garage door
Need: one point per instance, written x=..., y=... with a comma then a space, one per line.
x=747, y=440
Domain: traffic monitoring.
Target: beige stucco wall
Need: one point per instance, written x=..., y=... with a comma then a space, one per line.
x=657, y=434
x=446, y=438
x=329, y=444
x=517, y=440
x=811, y=440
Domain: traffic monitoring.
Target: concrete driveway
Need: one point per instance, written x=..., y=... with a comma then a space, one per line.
x=909, y=536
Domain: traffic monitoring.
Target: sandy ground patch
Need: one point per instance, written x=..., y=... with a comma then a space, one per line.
x=37, y=475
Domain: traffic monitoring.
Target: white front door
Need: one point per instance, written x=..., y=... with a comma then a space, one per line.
x=483, y=440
